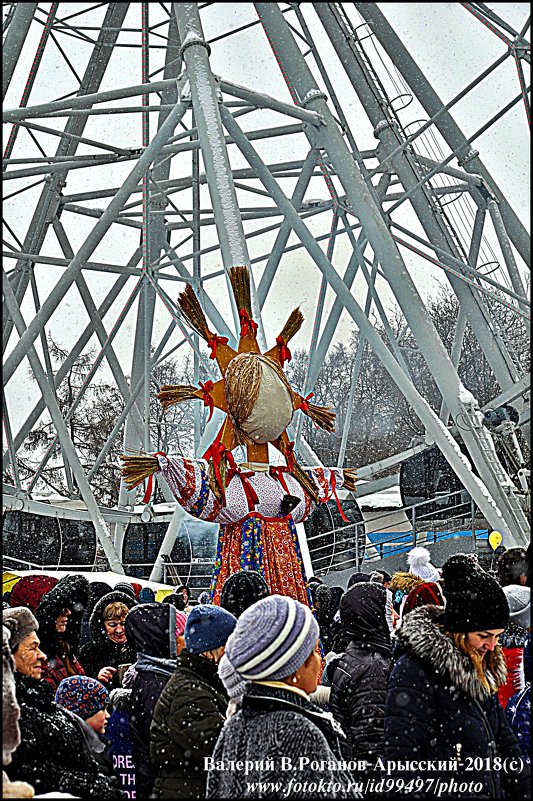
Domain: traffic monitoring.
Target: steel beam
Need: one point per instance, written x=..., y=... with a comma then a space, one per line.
x=424, y=202
x=431, y=102
x=78, y=471
x=91, y=242
x=433, y=425
x=230, y=232
x=50, y=196
x=14, y=41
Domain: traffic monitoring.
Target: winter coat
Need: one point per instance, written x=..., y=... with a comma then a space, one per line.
x=435, y=702
x=97, y=589
x=151, y=630
x=54, y=755
x=71, y=592
x=274, y=723
x=101, y=652
x=359, y=685
x=518, y=710
x=187, y=721
x=326, y=603
x=118, y=732
x=512, y=643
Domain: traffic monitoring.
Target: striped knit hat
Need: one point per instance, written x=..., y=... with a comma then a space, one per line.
x=272, y=639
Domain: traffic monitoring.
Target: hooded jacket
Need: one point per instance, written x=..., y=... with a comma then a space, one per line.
x=151, y=631
x=100, y=651
x=187, y=721
x=71, y=592
x=97, y=589
x=436, y=703
x=53, y=755
x=359, y=685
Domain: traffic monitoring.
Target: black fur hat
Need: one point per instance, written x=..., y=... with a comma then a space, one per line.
x=474, y=600
x=241, y=590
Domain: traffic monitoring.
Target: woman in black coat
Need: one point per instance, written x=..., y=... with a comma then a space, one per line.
x=53, y=755
x=105, y=651
x=277, y=730
x=59, y=616
x=359, y=685
x=442, y=701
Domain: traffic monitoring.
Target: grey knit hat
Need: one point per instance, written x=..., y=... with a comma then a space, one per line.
x=234, y=684
x=272, y=638
x=519, y=600
x=20, y=622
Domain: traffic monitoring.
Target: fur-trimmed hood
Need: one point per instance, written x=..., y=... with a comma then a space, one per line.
x=96, y=621
x=421, y=635
x=404, y=581
x=71, y=592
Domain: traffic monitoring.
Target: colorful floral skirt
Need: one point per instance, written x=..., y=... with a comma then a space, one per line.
x=268, y=545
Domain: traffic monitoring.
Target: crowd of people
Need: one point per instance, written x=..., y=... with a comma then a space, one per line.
x=414, y=684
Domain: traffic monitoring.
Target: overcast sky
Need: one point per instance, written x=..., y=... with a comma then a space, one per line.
x=449, y=44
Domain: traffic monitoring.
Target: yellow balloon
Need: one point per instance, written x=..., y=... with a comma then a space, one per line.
x=495, y=539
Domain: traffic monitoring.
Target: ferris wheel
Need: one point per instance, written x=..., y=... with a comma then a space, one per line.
x=149, y=146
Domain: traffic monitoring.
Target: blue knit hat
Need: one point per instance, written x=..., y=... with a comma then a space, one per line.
x=146, y=596
x=272, y=639
x=82, y=695
x=208, y=627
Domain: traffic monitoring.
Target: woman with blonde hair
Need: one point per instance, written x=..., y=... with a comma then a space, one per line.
x=442, y=714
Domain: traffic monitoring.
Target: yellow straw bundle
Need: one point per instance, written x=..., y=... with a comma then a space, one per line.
x=136, y=468
x=171, y=394
x=240, y=283
x=293, y=325
x=306, y=482
x=192, y=311
x=349, y=479
x=241, y=386
x=322, y=416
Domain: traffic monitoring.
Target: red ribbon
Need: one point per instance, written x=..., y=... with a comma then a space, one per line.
x=277, y=472
x=284, y=353
x=213, y=342
x=150, y=482
x=289, y=455
x=251, y=494
x=246, y=321
x=215, y=452
x=207, y=388
x=334, y=491
x=303, y=405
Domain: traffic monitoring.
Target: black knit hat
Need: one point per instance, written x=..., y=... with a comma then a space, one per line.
x=241, y=590
x=474, y=600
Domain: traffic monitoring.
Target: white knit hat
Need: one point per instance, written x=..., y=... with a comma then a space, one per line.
x=419, y=564
x=519, y=600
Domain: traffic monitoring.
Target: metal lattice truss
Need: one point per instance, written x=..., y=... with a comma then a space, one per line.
x=133, y=164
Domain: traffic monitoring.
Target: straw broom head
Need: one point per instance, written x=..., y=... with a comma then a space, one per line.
x=293, y=325
x=192, y=311
x=240, y=283
x=349, y=479
x=136, y=469
x=171, y=394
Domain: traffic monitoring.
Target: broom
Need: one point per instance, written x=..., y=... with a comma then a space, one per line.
x=171, y=394
x=349, y=479
x=240, y=283
x=192, y=311
x=137, y=468
x=293, y=325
